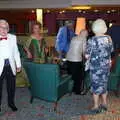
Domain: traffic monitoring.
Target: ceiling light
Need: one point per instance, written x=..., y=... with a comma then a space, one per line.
x=96, y=10
x=81, y=7
x=113, y=10
x=84, y=11
x=33, y=11
x=48, y=11
x=108, y=11
x=60, y=12
x=79, y=10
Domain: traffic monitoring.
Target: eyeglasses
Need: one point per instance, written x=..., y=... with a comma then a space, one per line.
x=3, y=28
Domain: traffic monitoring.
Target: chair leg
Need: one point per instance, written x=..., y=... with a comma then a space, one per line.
x=29, y=87
x=116, y=92
x=31, y=99
x=55, y=106
x=70, y=93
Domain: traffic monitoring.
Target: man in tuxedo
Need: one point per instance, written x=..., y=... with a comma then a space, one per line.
x=114, y=32
x=9, y=62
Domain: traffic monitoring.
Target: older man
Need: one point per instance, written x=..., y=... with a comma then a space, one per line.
x=64, y=37
x=9, y=62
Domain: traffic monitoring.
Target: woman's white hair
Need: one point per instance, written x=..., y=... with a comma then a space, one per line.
x=99, y=26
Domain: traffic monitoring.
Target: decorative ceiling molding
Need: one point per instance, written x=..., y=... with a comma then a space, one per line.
x=4, y=4
x=95, y=2
x=14, y=4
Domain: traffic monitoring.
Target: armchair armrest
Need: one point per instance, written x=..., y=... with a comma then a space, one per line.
x=65, y=79
x=65, y=76
x=65, y=86
x=114, y=74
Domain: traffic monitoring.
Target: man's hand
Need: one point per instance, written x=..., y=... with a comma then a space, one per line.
x=18, y=69
x=29, y=55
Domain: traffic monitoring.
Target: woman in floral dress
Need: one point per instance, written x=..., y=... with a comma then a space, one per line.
x=99, y=49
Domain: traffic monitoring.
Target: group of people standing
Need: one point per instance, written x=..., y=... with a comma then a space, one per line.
x=97, y=50
x=74, y=48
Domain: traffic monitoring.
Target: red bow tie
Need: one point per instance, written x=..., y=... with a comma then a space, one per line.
x=3, y=38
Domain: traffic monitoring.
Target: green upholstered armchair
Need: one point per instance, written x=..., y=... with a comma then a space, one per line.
x=46, y=81
x=114, y=79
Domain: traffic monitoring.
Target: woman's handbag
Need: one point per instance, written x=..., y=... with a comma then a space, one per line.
x=87, y=63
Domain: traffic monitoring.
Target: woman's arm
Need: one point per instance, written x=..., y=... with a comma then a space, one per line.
x=26, y=47
x=111, y=44
x=44, y=46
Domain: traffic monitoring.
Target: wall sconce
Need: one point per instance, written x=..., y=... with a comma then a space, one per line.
x=80, y=24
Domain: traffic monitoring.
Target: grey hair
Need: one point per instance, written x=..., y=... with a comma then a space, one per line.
x=4, y=22
x=69, y=23
x=99, y=26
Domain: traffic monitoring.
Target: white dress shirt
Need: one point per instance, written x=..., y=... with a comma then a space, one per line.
x=9, y=50
x=4, y=47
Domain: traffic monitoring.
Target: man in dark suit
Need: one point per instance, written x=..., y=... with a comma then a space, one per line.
x=114, y=32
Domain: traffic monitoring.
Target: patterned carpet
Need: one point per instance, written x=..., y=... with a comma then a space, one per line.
x=74, y=107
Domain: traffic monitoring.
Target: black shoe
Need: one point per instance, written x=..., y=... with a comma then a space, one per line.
x=83, y=93
x=117, y=93
x=77, y=93
x=95, y=111
x=13, y=107
x=103, y=107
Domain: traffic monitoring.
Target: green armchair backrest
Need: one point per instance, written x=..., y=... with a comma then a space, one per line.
x=116, y=68
x=46, y=82
x=114, y=75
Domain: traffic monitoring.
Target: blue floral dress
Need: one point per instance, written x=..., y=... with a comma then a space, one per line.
x=101, y=47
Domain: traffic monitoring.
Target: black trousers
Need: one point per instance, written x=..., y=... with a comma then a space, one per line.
x=77, y=72
x=7, y=75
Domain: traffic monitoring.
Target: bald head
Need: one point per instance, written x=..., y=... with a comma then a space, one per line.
x=2, y=21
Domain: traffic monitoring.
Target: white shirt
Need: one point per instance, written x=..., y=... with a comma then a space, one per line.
x=4, y=47
x=9, y=50
x=77, y=49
